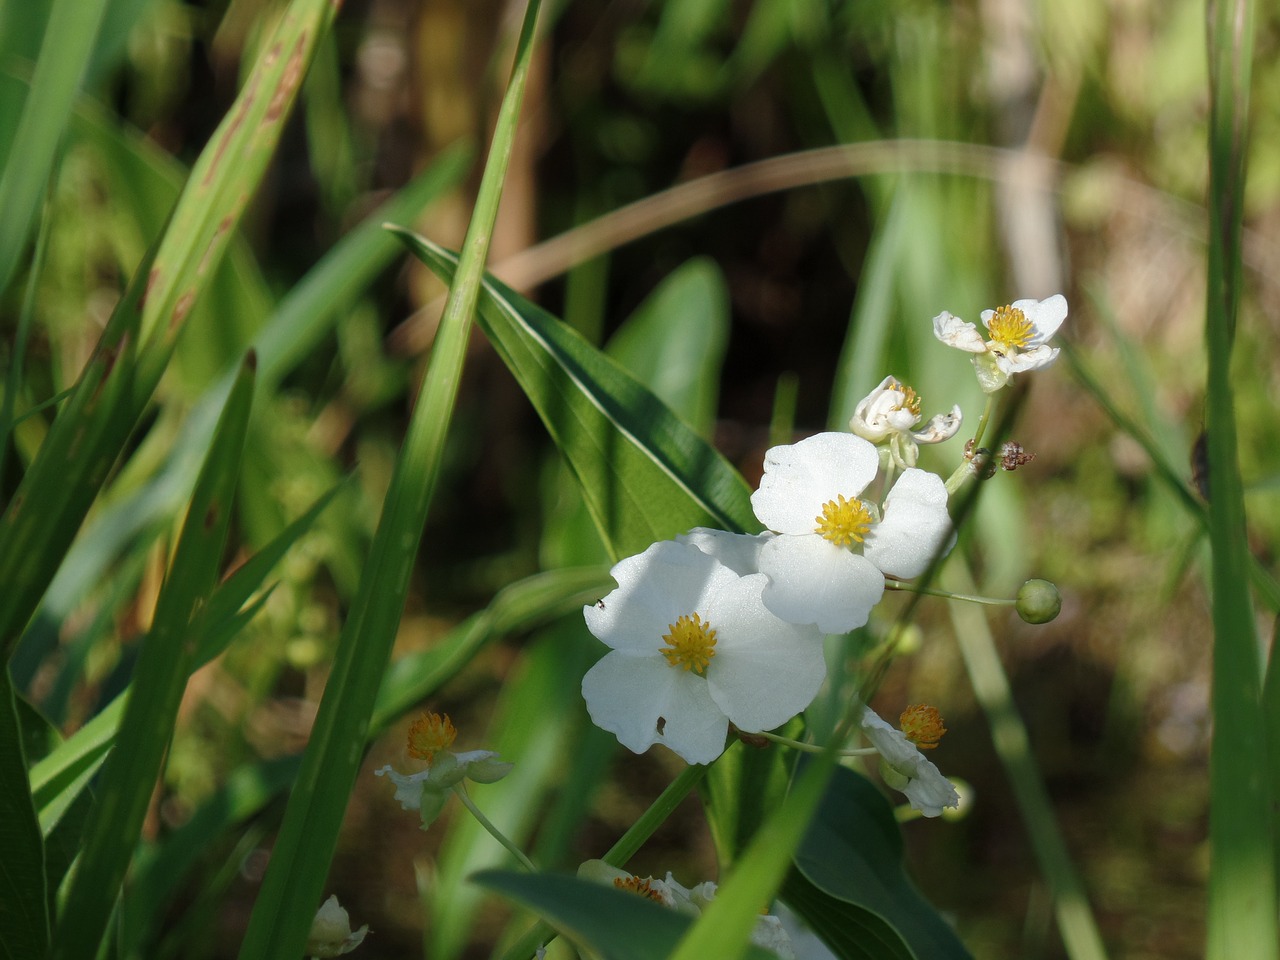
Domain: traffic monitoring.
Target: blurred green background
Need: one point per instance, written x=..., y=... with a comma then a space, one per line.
x=896, y=160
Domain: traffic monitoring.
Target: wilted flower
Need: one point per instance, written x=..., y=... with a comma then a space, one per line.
x=1016, y=342
x=768, y=933
x=888, y=414
x=828, y=564
x=429, y=738
x=331, y=934
x=694, y=648
x=903, y=766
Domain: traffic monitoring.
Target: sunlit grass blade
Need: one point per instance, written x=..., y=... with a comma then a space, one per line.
x=24, y=919
x=291, y=891
x=117, y=383
x=646, y=476
x=160, y=677
x=1242, y=917
x=64, y=55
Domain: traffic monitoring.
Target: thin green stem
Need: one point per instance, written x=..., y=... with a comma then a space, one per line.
x=814, y=747
x=491, y=829
x=947, y=594
x=968, y=467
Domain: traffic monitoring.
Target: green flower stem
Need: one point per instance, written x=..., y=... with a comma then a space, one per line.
x=991, y=688
x=947, y=594
x=815, y=748
x=492, y=830
x=966, y=468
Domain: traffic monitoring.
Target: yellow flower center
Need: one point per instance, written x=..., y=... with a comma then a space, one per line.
x=638, y=886
x=429, y=734
x=922, y=725
x=690, y=644
x=1010, y=327
x=843, y=522
x=910, y=400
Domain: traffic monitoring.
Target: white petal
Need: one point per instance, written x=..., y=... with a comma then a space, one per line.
x=812, y=581
x=925, y=789
x=765, y=670
x=929, y=791
x=1045, y=315
x=408, y=787
x=655, y=588
x=628, y=695
x=799, y=478
x=1033, y=359
x=942, y=427
x=958, y=333
x=916, y=526
x=739, y=552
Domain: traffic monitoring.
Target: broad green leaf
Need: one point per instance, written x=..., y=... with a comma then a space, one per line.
x=160, y=677
x=611, y=923
x=674, y=342
x=24, y=916
x=292, y=889
x=852, y=853
x=646, y=476
x=740, y=789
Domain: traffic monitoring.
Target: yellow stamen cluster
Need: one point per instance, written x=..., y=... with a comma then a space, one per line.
x=643, y=887
x=922, y=725
x=910, y=400
x=1010, y=327
x=843, y=522
x=690, y=643
x=429, y=734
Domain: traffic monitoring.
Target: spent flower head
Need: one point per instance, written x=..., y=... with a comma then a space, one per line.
x=331, y=934
x=1016, y=341
x=902, y=764
x=768, y=932
x=429, y=738
x=833, y=550
x=888, y=416
x=694, y=649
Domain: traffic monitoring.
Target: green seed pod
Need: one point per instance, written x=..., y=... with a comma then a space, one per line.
x=1038, y=601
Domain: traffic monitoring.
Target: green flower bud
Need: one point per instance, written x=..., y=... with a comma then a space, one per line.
x=1038, y=601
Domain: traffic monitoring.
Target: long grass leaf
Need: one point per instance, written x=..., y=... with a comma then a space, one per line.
x=64, y=56
x=24, y=918
x=1242, y=918
x=160, y=678
x=291, y=890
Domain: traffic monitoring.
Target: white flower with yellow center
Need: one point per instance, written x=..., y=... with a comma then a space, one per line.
x=694, y=649
x=828, y=563
x=888, y=415
x=903, y=766
x=1016, y=340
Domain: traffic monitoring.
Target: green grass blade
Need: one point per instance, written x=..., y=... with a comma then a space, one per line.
x=119, y=379
x=1242, y=918
x=291, y=891
x=160, y=678
x=24, y=916
x=645, y=475
x=64, y=56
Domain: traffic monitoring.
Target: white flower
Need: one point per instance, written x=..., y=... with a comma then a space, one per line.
x=694, y=649
x=331, y=934
x=905, y=768
x=889, y=412
x=828, y=564
x=1017, y=338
